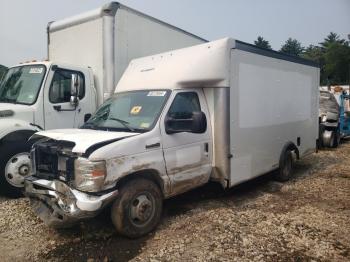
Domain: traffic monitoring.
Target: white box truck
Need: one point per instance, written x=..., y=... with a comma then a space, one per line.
x=94, y=48
x=224, y=111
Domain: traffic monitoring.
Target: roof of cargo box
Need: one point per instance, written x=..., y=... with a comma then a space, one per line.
x=205, y=65
x=274, y=54
x=109, y=9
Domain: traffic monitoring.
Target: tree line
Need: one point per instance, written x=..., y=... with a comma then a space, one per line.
x=332, y=54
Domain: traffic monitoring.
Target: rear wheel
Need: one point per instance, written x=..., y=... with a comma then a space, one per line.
x=284, y=172
x=15, y=165
x=138, y=209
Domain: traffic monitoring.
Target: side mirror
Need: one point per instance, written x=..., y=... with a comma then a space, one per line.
x=75, y=89
x=196, y=123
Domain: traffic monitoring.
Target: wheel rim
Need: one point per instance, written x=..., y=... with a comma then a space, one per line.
x=17, y=168
x=142, y=209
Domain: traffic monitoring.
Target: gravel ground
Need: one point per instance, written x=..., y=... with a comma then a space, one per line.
x=306, y=219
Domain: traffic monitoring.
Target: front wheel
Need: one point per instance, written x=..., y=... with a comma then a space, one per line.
x=15, y=165
x=138, y=209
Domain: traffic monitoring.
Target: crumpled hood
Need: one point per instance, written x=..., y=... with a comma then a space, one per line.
x=84, y=138
x=16, y=111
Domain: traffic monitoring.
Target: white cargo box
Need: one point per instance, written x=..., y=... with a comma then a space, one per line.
x=106, y=39
x=259, y=100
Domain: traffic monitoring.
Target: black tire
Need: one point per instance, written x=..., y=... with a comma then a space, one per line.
x=284, y=172
x=124, y=207
x=337, y=137
x=7, y=152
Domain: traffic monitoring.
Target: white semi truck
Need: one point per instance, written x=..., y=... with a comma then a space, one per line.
x=225, y=111
x=94, y=48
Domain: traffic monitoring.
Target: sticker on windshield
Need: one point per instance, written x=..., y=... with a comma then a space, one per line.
x=36, y=70
x=135, y=110
x=144, y=125
x=156, y=93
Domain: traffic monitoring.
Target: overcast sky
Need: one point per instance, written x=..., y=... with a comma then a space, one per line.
x=23, y=22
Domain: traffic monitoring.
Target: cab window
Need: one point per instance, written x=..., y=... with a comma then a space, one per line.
x=60, y=89
x=184, y=105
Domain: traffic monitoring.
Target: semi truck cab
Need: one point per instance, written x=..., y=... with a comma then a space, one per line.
x=33, y=97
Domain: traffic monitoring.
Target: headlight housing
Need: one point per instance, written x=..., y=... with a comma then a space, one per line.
x=324, y=118
x=89, y=175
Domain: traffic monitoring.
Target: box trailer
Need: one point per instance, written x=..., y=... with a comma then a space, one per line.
x=225, y=111
x=94, y=48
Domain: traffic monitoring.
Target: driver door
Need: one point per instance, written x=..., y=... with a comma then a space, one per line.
x=187, y=155
x=58, y=111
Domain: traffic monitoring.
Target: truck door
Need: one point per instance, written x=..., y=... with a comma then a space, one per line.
x=58, y=111
x=187, y=155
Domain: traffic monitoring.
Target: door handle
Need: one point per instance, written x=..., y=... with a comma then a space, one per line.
x=206, y=147
x=58, y=108
x=153, y=146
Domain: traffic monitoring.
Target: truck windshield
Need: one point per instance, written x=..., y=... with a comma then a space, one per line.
x=22, y=84
x=135, y=111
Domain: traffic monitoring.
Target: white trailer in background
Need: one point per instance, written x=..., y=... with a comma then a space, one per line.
x=94, y=48
x=225, y=111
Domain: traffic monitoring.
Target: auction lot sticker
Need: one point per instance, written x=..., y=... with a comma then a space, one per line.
x=156, y=93
x=36, y=70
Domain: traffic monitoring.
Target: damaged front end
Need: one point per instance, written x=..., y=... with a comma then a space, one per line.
x=52, y=188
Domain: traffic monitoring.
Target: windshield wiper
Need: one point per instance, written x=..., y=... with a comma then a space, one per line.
x=123, y=122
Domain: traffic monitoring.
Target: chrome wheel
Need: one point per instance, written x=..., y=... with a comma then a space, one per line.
x=17, y=168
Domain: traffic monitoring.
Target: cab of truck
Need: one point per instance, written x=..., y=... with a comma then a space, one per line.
x=35, y=96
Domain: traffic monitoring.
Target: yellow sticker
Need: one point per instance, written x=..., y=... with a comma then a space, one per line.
x=135, y=110
x=144, y=125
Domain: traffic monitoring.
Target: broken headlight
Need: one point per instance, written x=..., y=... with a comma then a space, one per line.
x=89, y=175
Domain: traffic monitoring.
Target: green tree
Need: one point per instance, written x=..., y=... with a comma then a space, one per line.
x=333, y=56
x=261, y=42
x=316, y=54
x=337, y=64
x=332, y=38
x=292, y=47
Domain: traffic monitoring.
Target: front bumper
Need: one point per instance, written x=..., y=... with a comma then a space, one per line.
x=59, y=205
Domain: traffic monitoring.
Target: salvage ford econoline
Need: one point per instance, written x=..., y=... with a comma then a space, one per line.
x=224, y=111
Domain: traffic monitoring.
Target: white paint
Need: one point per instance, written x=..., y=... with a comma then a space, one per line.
x=241, y=169
x=205, y=65
x=137, y=36
x=81, y=45
x=83, y=138
x=272, y=102
x=187, y=156
x=273, y=96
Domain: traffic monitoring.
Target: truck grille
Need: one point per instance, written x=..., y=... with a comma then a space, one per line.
x=49, y=161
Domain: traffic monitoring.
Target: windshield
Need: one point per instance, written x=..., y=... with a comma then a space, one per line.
x=22, y=84
x=135, y=111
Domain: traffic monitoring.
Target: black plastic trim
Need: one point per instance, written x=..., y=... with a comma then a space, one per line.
x=274, y=54
x=96, y=146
